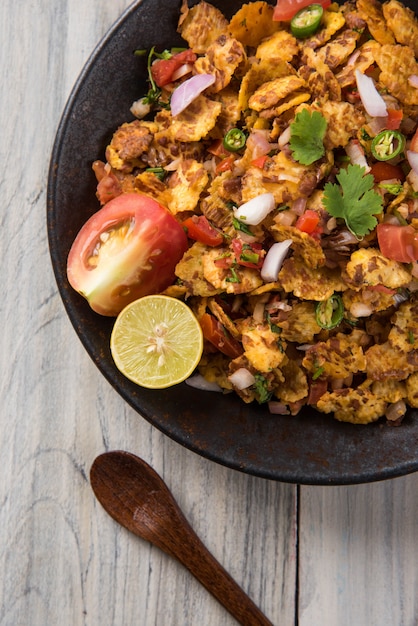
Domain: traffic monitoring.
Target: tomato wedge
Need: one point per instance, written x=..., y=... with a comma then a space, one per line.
x=286, y=9
x=386, y=171
x=162, y=70
x=216, y=334
x=128, y=249
x=200, y=229
x=398, y=243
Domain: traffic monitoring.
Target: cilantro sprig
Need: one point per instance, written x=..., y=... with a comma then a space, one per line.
x=354, y=200
x=307, y=134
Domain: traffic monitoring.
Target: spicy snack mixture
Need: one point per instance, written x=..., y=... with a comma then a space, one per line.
x=289, y=158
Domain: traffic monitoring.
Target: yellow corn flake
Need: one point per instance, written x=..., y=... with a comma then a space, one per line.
x=295, y=384
x=332, y=22
x=368, y=266
x=336, y=358
x=270, y=93
x=201, y=25
x=404, y=332
x=389, y=390
x=214, y=205
x=221, y=60
x=280, y=46
x=129, y=142
x=186, y=184
x=215, y=369
x=190, y=271
x=385, y=362
x=196, y=121
x=230, y=113
x=320, y=80
x=397, y=63
x=303, y=246
x=299, y=324
x=309, y=283
x=376, y=300
x=356, y=406
x=362, y=62
x=252, y=23
x=343, y=121
x=262, y=347
x=337, y=51
x=403, y=22
x=259, y=73
x=371, y=12
x=225, y=320
x=245, y=279
x=150, y=185
x=412, y=390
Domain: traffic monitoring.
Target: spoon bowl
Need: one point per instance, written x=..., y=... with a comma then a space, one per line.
x=138, y=499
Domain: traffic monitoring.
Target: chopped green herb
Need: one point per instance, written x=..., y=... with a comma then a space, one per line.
x=354, y=200
x=307, y=135
x=394, y=188
x=234, y=278
x=261, y=386
x=411, y=337
x=318, y=372
x=160, y=172
x=241, y=227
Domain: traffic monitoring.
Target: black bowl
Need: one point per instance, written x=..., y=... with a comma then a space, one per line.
x=307, y=449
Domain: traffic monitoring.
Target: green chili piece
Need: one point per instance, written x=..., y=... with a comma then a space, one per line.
x=387, y=145
x=306, y=21
x=329, y=313
x=234, y=140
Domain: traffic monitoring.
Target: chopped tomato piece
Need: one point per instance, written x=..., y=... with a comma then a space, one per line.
x=398, y=243
x=394, y=119
x=216, y=334
x=382, y=289
x=308, y=221
x=162, y=70
x=386, y=171
x=286, y=9
x=260, y=161
x=248, y=254
x=218, y=149
x=226, y=164
x=200, y=229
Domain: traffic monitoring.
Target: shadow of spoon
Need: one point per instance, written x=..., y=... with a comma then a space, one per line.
x=136, y=497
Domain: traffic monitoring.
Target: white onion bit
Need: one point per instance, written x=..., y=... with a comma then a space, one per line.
x=242, y=378
x=199, y=382
x=274, y=260
x=412, y=159
x=413, y=80
x=370, y=97
x=188, y=91
x=254, y=211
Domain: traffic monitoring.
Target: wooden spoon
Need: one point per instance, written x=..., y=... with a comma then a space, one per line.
x=136, y=497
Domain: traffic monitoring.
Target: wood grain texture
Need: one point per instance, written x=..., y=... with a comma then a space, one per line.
x=64, y=560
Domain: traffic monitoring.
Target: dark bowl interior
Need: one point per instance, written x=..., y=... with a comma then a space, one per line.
x=307, y=449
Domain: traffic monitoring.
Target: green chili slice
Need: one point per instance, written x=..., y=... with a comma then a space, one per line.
x=387, y=145
x=306, y=21
x=329, y=313
x=234, y=140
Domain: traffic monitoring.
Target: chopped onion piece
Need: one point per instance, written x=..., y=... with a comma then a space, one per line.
x=274, y=260
x=413, y=159
x=188, y=91
x=284, y=138
x=358, y=309
x=395, y=410
x=278, y=408
x=370, y=97
x=242, y=378
x=140, y=108
x=356, y=154
x=199, y=382
x=254, y=211
x=181, y=71
x=413, y=80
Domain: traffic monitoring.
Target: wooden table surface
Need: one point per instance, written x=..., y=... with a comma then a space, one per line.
x=308, y=556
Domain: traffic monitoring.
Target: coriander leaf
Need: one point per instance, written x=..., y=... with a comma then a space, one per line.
x=306, y=136
x=354, y=200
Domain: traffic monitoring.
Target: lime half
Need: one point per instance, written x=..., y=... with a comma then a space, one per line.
x=156, y=341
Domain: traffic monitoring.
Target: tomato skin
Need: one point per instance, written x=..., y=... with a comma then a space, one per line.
x=394, y=119
x=162, y=70
x=200, y=229
x=215, y=333
x=386, y=171
x=286, y=9
x=308, y=221
x=398, y=243
x=139, y=244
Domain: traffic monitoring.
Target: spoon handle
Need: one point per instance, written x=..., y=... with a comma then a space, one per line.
x=203, y=565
